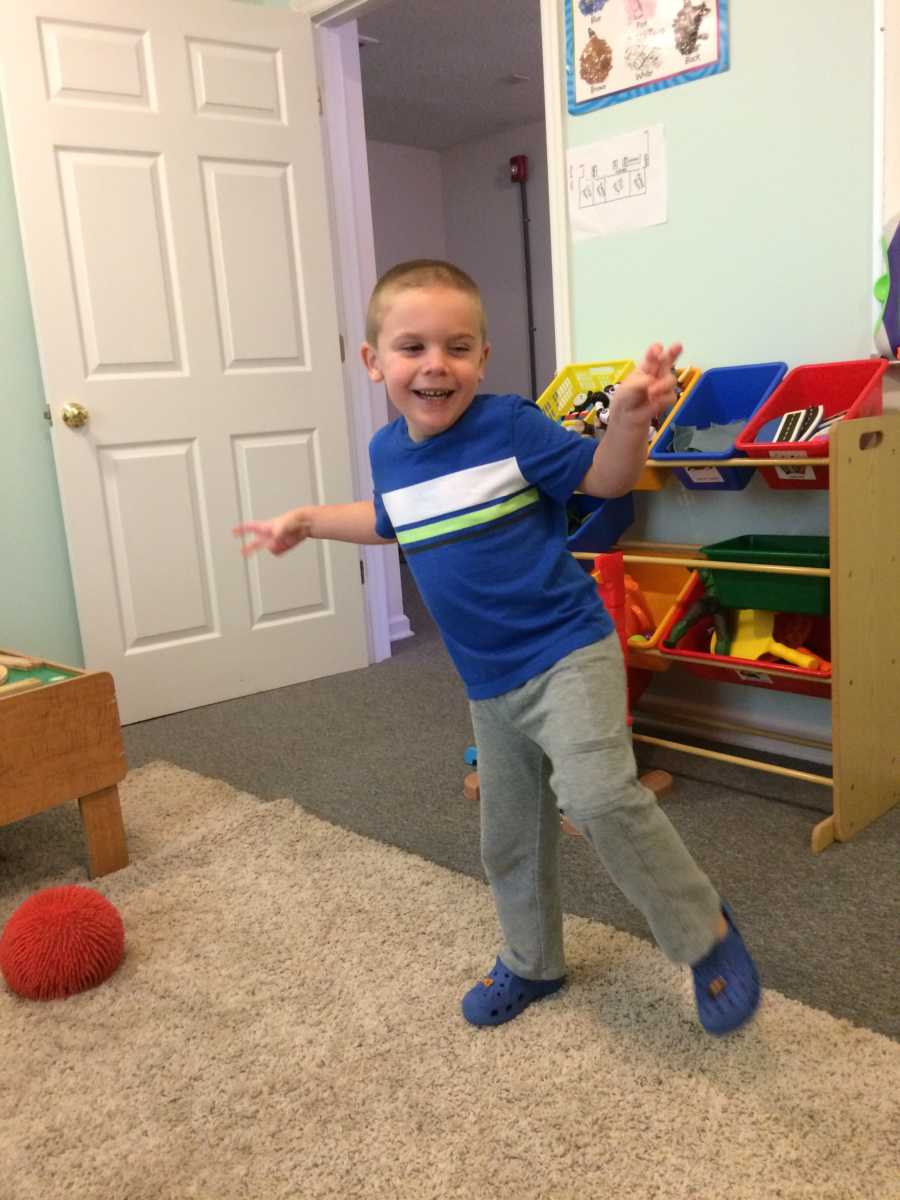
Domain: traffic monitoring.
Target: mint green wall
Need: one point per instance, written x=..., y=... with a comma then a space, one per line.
x=37, y=608
x=766, y=255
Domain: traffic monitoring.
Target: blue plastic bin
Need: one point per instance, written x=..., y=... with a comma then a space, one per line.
x=605, y=523
x=722, y=395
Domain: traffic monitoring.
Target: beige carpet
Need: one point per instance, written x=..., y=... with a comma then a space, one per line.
x=286, y=1024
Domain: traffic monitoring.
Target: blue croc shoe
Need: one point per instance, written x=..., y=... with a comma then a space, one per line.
x=726, y=983
x=501, y=995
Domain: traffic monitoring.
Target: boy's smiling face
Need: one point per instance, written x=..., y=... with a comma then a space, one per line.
x=430, y=355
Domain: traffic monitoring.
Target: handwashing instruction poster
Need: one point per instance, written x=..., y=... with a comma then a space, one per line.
x=618, y=49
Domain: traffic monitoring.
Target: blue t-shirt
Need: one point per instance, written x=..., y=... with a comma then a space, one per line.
x=480, y=513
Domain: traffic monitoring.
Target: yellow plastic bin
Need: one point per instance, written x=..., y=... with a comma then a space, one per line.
x=578, y=378
x=653, y=480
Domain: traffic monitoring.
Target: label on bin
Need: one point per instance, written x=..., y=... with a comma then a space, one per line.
x=704, y=474
x=754, y=676
x=793, y=472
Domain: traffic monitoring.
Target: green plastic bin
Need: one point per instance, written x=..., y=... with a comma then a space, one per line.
x=774, y=593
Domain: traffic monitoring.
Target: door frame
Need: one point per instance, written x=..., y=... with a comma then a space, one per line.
x=346, y=173
x=344, y=137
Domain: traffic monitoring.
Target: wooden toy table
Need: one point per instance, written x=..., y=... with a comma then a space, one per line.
x=61, y=740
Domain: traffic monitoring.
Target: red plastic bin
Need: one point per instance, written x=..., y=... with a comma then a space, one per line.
x=609, y=576
x=855, y=385
x=763, y=672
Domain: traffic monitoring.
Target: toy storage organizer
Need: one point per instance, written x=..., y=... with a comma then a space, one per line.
x=861, y=632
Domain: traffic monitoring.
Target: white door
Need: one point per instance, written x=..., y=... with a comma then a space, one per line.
x=169, y=176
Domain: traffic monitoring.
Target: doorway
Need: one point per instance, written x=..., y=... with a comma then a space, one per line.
x=424, y=106
x=449, y=102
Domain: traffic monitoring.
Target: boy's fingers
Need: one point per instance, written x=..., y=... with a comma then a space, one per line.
x=650, y=363
x=658, y=361
x=671, y=355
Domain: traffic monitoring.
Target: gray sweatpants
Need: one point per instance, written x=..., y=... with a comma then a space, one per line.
x=565, y=732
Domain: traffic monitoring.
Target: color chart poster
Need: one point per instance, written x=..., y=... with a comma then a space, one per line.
x=618, y=49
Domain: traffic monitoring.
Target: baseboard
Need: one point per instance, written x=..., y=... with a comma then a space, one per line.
x=693, y=722
x=400, y=628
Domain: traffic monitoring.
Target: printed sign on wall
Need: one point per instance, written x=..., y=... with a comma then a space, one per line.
x=618, y=49
x=619, y=183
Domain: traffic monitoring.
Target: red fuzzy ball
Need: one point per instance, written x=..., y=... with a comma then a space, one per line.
x=61, y=941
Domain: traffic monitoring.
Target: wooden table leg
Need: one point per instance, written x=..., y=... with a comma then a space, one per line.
x=101, y=816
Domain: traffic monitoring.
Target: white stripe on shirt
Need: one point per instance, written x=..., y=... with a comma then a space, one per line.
x=449, y=493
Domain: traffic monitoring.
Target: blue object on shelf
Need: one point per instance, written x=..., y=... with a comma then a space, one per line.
x=722, y=395
x=471, y=756
x=604, y=522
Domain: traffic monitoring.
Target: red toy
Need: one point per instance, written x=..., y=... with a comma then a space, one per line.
x=61, y=941
x=623, y=606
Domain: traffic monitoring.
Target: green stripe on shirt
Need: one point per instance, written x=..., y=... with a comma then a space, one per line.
x=481, y=517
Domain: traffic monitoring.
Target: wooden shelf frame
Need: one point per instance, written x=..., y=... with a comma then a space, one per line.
x=734, y=462
x=706, y=564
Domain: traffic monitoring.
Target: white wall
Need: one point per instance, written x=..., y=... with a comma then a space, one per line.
x=892, y=110
x=461, y=205
x=484, y=237
x=407, y=204
x=408, y=219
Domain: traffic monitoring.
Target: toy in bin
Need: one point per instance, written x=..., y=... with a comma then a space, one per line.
x=659, y=586
x=747, y=633
x=799, y=425
x=590, y=411
x=784, y=651
x=708, y=605
x=638, y=618
x=619, y=599
x=752, y=636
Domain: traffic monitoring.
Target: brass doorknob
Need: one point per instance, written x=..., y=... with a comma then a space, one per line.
x=75, y=415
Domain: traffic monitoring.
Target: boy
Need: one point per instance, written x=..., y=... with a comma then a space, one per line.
x=474, y=489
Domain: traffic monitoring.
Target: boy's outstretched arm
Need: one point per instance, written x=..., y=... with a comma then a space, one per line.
x=643, y=395
x=335, y=522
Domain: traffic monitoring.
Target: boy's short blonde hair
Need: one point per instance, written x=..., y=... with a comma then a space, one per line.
x=419, y=272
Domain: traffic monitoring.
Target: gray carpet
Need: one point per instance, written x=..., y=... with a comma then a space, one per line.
x=380, y=752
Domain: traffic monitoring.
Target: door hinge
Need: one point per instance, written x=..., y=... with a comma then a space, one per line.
x=341, y=344
x=362, y=572
x=319, y=99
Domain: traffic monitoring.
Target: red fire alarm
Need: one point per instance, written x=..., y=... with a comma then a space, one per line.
x=518, y=168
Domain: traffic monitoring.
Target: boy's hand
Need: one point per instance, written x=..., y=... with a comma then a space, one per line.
x=649, y=391
x=277, y=535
